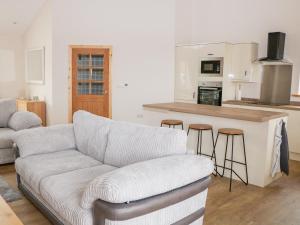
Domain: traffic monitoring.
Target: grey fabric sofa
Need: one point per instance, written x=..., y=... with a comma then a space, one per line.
x=10, y=122
x=101, y=172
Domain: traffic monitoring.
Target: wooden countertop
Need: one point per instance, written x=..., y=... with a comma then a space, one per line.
x=218, y=111
x=252, y=103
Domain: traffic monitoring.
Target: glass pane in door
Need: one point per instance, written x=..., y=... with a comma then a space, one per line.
x=97, y=74
x=97, y=88
x=83, y=74
x=83, y=60
x=97, y=60
x=83, y=88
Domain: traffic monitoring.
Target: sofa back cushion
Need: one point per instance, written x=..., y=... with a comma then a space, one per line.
x=91, y=133
x=24, y=120
x=129, y=143
x=7, y=108
x=45, y=139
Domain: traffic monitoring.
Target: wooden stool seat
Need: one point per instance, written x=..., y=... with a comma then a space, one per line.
x=172, y=122
x=231, y=131
x=200, y=127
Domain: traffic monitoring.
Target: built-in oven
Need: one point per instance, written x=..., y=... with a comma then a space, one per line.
x=211, y=67
x=210, y=93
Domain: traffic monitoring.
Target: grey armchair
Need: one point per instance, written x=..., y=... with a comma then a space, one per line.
x=10, y=122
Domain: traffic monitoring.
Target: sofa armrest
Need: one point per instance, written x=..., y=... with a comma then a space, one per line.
x=44, y=140
x=125, y=211
x=24, y=120
x=146, y=179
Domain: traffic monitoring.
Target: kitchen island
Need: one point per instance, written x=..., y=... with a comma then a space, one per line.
x=258, y=126
x=293, y=111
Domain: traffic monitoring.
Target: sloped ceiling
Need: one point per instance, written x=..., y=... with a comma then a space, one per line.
x=17, y=15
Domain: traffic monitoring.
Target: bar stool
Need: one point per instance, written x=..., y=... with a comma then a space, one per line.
x=232, y=132
x=171, y=122
x=200, y=128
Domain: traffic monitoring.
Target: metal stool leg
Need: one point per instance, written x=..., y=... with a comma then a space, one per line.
x=169, y=126
x=224, y=164
x=215, y=145
x=214, y=153
x=188, y=131
x=231, y=163
x=245, y=159
x=198, y=142
x=213, y=142
x=182, y=126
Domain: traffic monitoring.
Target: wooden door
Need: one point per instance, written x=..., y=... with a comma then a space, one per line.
x=90, y=80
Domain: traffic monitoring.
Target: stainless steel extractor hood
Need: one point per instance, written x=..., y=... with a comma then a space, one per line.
x=276, y=81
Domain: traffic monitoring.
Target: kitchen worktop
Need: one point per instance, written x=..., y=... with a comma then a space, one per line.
x=218, y=111
x=255, y=103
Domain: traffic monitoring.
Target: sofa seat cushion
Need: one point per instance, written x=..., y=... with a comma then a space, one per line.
x=129, y=143
x=63, y=193
x=35, y=168
x=6, y=137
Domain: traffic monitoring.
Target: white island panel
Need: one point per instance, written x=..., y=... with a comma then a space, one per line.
x=259, y=138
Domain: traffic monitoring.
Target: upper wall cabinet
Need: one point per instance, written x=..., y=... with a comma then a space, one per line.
x=242, y=58
x=212, y=50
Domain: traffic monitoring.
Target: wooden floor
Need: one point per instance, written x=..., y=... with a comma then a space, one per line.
x=277, y=204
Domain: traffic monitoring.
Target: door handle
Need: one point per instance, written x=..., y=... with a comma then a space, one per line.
x=105, y=92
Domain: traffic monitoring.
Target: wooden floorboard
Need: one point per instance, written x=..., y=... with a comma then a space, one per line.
x=277, y=204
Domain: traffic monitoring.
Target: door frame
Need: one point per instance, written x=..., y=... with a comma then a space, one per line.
x=70, y=83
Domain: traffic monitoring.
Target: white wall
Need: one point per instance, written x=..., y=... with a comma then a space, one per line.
x=141, y=34
x=39, y=34
x=241, y=21
x=12, y=84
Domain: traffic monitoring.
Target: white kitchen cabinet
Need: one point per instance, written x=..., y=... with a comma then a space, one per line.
x=187, y=69
x=242, y=57
x=212, y=50
x=238, y=66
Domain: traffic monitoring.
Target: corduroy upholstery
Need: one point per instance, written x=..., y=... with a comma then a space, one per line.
x=10, y=122
x=116, y=162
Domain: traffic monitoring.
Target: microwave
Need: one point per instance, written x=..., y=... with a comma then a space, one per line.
x=212, y=67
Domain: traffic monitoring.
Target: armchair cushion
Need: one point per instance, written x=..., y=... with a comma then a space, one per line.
x=129, y=143
x=6, y=138
x=45, y=140
x=7, y=108
x=24, y=120
x=91, y=133
x=145, y=179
